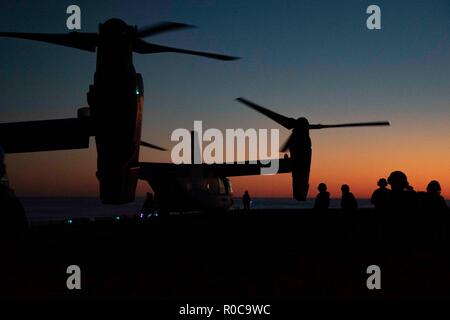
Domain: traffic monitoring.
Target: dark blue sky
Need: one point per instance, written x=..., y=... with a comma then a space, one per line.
x=304, y=55
x=304, y=58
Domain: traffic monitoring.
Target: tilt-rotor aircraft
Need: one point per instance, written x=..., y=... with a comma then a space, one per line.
x=115, y=100
x=114, y=118
x=207, y=187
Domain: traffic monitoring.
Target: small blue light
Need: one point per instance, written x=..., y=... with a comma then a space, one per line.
x=69, y=221
x=117, y=218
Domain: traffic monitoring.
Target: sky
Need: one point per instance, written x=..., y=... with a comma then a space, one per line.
x=312, y=58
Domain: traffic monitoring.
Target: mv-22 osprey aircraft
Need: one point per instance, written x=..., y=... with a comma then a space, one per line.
x=206, y=186
x=114, y=118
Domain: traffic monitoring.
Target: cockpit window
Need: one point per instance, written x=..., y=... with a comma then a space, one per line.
x=222, y=189
x=228, y=186
x=214, y=185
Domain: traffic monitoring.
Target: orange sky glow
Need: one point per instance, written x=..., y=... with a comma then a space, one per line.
x=356, y=157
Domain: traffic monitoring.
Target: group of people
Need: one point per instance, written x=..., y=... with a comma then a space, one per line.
x=400, y=196
x=348, y=200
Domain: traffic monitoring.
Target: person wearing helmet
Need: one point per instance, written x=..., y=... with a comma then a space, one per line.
x=323, y=198
x=432, y=200
x=348, y=200
x=402, y=197
x=380, y=197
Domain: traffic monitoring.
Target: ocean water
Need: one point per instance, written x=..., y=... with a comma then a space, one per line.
x=57, y=209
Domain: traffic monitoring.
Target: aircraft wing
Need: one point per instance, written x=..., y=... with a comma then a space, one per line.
x=149, y=170
x=45, y=135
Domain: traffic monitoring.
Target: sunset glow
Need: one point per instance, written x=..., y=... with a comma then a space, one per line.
x=309, y=59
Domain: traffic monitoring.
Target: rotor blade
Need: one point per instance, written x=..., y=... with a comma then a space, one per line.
x=82, y=41
x=344, y=125
x=162, y=27
x=141, y=46
x=288, y=123
x=287, y=144
x=149, y=145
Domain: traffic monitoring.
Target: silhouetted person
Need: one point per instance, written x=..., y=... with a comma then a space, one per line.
x=148, y=207
x=402, y=195
x=246, y=200
x=432, y=200
x=12, y=215
x=380, y=197
x=323, y=198
x=348, y=200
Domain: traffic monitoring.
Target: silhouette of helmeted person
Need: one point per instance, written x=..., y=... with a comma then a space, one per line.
x=432, y=199
x=402, y=195
x=323, y=198
x=348, y=200
x=380, y=197
x=13, y=218
x=246, y=200
x=148, y=207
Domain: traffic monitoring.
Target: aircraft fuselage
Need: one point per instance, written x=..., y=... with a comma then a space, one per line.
x=185, y=194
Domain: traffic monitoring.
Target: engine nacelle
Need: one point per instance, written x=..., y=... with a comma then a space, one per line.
x=301, y=165
x=117, y=121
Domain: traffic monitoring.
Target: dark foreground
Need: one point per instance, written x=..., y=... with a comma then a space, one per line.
x=266, y=254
